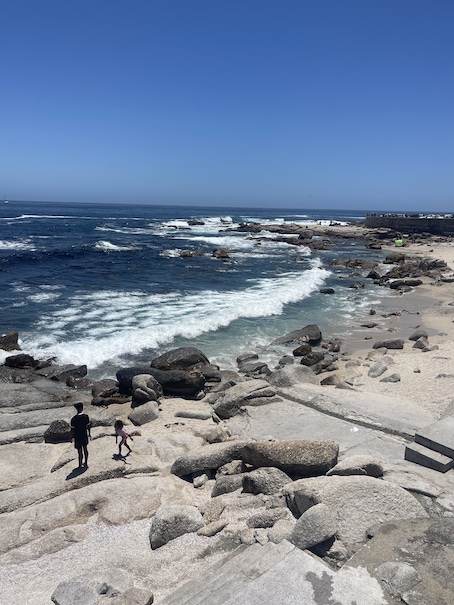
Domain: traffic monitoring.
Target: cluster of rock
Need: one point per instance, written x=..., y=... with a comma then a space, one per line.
x=247, y=490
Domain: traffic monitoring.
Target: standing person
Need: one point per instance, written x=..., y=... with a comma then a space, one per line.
x=80, y=424
x=120, y=432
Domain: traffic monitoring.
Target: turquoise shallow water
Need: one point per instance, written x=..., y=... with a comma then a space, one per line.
x=105, y=285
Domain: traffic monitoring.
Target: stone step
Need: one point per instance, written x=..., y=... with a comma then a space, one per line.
x=438, y=436
x=429, y=458
x=278, y=574
x=221, y=581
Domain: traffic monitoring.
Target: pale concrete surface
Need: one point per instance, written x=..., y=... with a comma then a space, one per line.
x=438, y=436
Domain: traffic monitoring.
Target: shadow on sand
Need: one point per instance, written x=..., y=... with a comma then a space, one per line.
x=120, y=458
x=76, y=472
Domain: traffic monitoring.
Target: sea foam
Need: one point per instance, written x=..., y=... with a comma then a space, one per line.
x=127, y=323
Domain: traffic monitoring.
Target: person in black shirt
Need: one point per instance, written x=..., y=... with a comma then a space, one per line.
x=80, y=424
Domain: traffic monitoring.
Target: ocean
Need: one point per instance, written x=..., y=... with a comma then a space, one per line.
x=105, y=285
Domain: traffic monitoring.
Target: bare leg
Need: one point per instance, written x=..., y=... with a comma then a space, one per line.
x=86, y=455
x=79, y=451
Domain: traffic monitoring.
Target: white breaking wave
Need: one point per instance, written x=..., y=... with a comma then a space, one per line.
x=106, y=246
x=126, y=230
x=43, y=297
x=20, y=245
x=108, y=325
x=172, y=253
x=27, y=216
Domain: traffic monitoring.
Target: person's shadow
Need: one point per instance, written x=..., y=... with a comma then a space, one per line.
x=118, y=457
x=76, y=472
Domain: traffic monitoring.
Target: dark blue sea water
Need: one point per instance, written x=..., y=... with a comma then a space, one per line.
x=105, y=285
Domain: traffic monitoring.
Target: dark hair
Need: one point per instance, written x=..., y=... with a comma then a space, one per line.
x=119, y=423
x=79, y=406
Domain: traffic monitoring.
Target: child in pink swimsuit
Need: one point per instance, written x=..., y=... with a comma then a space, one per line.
x=120, y=432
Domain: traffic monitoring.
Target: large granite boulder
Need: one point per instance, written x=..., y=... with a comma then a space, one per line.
x=358, y=503
x=179, y=382
x=267, y=480
x=299, y=457
x=59, y=431
x=142, y=414
x=173, y=521
x=315, y=525
x=208, y=457
x=125, y=376
x=145, y=387
x=250, y=392
x=310, y=334
x=183, y=358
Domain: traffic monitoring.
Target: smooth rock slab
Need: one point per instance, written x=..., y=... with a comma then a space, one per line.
x=300, y=457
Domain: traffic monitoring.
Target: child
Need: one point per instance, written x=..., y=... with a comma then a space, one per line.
x=120, y=432
x=80, y=425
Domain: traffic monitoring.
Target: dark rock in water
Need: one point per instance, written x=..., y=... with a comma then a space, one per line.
x=8, y=342
x=285, y=361
x=59, y=431
x=395, y=343
x=179, y=382
x=180, y=359
x=306, y=234
x=221, y=253
x=310, y=334
x=354, y=263
x=370, y=324
x=373, y=275
x=21, y=361
x=190, y=253
x=357, y=285
x=296, y=457
x=303, y=349
x=312, y=358
x=195, y=222
x=326, y=291
x=246, y=357
x=125, y=376
x=255, y=367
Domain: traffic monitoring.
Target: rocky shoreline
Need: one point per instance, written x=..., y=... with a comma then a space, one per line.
x=307, y=455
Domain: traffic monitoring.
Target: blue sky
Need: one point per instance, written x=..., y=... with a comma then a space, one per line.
x=289, y=103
